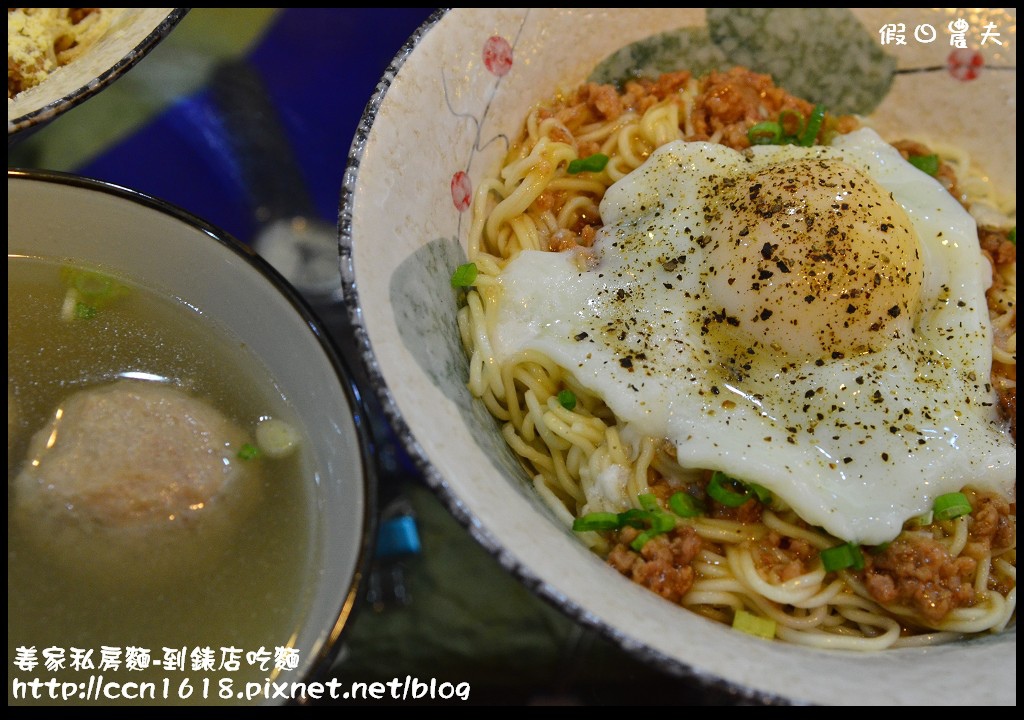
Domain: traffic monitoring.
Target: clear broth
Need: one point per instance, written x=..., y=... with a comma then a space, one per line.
x=255, y=599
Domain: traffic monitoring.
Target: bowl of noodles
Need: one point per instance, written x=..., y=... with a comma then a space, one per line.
x=190, y=477
x=702, y=321
x=57, y=58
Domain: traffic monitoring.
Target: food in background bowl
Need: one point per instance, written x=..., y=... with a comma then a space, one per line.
x=470, y=78
x=40, y=40
x=55, y=63
x=186, y=479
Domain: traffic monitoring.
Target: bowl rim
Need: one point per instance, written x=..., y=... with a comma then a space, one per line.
x=670, y=665
x=437, y=483
x=62, y=104
x=335, y=628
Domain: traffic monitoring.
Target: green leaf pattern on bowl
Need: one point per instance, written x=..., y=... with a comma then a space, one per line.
x=824, y=55
x=688, y=48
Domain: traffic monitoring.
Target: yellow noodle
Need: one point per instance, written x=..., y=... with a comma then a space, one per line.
x=789, y=592
x=958, y=540
x=575, y=455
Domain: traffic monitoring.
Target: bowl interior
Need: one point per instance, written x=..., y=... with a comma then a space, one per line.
x=469, y=77
x=156, y=245
x=133, y=32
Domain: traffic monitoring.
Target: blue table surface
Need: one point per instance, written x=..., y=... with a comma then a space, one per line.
x=320, y=67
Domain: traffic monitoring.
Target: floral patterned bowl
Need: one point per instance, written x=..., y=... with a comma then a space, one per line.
x=441, y=120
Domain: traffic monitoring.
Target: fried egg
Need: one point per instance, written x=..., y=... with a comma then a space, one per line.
x=809, y=319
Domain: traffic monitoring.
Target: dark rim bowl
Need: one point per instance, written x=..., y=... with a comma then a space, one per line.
x=221, y=277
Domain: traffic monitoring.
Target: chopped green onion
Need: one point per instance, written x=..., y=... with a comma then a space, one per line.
x=1012, y=237
x=97, y=288
x=858, y=557
x=634, y=518
x=732, y=492
x=640, y=540
x=923, y=520
x=775, y=132
x=765, y=133
x=685, y=505
x=567, y=399
x=726, y=490
x=661, y=522
x=85, y=312
x=752, y=624
x=591, y=163
x=464, y=275
x=810, y=133
x=840, y=557
x=248, y=451
x=925, y=163
x=763, y=494
x=89, y=292
x=648, y=502
x=951, y=505
x=652, y=519
x=880, y=548
x=597, y=521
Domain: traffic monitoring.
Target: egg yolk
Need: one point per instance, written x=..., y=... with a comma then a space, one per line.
x=812, y=258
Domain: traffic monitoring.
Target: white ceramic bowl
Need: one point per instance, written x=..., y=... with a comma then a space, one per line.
x=441, y=120
x=159, y=246
x=132, y=34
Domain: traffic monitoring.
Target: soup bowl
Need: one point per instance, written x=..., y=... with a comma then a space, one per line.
x=227, y=584
x=446, y=116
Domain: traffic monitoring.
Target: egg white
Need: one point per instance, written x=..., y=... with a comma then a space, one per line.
x=857, y=443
